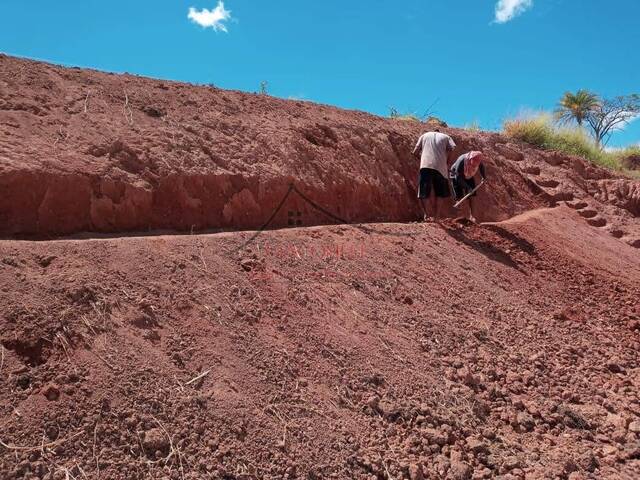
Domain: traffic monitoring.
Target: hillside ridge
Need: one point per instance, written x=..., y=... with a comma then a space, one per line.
x=353, y=344
x=85, y=151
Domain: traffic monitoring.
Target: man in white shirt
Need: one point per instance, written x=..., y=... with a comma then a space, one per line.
x=434, y=149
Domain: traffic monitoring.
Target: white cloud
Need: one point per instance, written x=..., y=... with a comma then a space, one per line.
x=508, y=9
x=621, y=126
x=215, y=18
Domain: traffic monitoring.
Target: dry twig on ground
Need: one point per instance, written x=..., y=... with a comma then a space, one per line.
x=40, y=447
x=195, y=379
x=173, y=450
x=104, y=360
x=128, y=114
x=95, y=438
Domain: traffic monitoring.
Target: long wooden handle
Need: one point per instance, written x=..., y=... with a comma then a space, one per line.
x=461, y=201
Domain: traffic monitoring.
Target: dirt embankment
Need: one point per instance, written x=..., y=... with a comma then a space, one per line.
x=402, y=351
x=458, y=351
x=84, y=151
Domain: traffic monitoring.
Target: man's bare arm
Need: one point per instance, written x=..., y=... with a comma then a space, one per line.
x=483, y=172
x=417, y=150
x=451, y=146
x=451, y=159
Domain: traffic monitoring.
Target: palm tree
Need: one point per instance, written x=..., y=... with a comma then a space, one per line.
x=576, y=106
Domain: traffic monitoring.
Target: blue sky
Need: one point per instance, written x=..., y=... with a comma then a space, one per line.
x=355, y=54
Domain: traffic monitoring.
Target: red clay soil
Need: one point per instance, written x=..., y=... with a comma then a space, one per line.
x=84, y=151
x=507, y=349
x=407, y=351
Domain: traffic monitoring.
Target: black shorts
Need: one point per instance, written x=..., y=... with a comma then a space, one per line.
x=429, y=178
x=462, y=186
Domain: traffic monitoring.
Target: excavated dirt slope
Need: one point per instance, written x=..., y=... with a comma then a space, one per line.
x=89, y=151
x=507, y=349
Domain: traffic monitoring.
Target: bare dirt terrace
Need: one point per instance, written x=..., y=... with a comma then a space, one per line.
x=382, y=350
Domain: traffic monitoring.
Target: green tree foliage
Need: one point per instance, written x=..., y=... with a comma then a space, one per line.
x=602, y=116
x=576, y=106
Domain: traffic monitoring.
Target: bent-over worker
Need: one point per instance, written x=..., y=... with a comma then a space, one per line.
x=462, y=175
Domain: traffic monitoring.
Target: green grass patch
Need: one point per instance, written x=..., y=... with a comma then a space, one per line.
x=473, y=126
x=542, y=132
x=409, y=117
x=406, y=116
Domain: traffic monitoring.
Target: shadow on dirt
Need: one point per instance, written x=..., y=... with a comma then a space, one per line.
x=519, y=242
x=486, y=248
x=30, y=352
